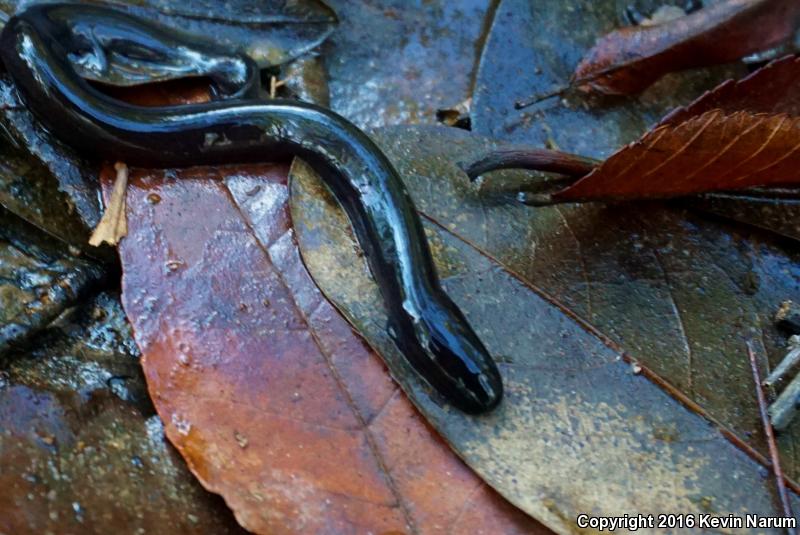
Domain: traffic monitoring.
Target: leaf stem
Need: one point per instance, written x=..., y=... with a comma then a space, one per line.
x=534, y=159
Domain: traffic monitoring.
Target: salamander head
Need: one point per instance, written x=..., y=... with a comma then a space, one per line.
x=452, y=358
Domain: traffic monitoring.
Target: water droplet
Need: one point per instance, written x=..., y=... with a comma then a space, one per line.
x=78, y=511
x=240, y=439
x=174, y=265
x=181, y=424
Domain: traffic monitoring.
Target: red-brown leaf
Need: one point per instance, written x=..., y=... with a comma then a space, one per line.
x=628, y=60
x=272, y=399
x=740, y=135
x=773, y=89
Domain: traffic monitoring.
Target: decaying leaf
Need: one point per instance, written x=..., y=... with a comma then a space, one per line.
x=720, y=142
x=580, y=429
x=264, y=389
x=772, y=89
x=534, y=47
x=628, y=60
x=396, y=61
x=39, y=278
x=41, y=180
x=307, y=79
x=765, y=209
x=676, y=289
x=80, y=448
x=710, y=152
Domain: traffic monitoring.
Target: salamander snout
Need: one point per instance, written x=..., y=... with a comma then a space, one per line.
x=459, y=364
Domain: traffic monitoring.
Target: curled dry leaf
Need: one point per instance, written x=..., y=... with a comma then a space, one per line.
x=629, y=60
x=265, y=390
x=113, y=225
x=740, y=135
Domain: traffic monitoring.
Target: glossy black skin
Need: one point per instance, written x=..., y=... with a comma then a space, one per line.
x=112, y=47
x=428, y=328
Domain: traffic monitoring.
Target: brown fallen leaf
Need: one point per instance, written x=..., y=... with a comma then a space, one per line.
x=772, y=89
x=740, y=135
x=272, y=399
x=176, y=92
x=628, y=60
x=270, y=396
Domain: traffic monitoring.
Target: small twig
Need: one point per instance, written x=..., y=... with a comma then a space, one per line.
x=773, y=448
x=274, y=84
x=784, y=409
x=113, y=225
x=535, y=99
x=787, y=364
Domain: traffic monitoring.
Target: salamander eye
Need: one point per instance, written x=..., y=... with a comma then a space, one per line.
x=464, y=359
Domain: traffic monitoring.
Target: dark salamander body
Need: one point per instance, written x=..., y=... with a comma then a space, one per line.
x=39, y=50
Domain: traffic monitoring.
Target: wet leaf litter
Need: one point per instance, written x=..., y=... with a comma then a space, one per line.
x=82, y=409
x=572, y=393
x=273, y=400
x=505, y=259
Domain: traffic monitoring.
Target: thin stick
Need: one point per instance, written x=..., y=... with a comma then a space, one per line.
x=784, y=409
x=773, y=448
x=789, y=362
x=274, y=84
x=535, y=99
